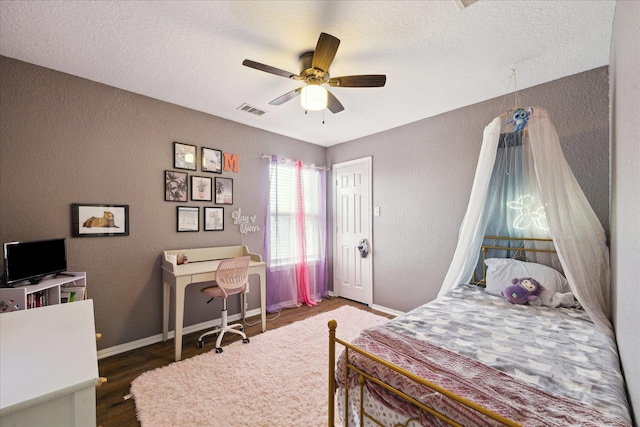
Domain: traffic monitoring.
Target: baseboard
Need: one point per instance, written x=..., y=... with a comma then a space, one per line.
x=122, y=348
x=376, y=307
x=387, y=310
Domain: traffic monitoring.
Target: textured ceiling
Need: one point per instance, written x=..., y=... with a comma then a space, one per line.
x=436, y=57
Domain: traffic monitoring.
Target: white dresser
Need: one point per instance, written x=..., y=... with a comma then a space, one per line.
x=49, y=366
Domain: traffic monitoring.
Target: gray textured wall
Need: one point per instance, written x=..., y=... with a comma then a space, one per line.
x=423, y=172
x=67, y=140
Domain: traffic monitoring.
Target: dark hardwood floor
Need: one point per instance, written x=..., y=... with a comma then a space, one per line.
x=120, y=370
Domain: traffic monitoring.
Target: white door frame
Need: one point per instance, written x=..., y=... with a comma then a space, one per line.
x=369, y=162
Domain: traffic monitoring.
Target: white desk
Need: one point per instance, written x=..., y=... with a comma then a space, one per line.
x=202, y=266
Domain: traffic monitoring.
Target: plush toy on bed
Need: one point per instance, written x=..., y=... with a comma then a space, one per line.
x=523, y=290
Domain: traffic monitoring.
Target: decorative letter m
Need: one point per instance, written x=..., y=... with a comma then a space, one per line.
x=230, y=162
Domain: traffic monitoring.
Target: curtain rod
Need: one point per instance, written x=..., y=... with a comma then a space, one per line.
x=284, y=159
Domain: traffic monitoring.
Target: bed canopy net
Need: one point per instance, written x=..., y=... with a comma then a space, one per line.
x=524, y=187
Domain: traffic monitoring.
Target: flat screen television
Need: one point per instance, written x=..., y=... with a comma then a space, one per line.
x=32, y=261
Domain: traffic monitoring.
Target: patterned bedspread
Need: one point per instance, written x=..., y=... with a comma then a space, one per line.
x=547, y=366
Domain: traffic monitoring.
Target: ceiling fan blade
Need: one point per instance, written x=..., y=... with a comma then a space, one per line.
x=325, y=52
x=365, y=80
x=286, y=97
x=333, y=104
x=269, y=69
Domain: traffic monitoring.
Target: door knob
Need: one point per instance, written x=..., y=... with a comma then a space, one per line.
x=363, y=248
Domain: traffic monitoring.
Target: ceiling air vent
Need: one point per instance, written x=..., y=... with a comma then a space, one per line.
x=249, y=109
x=463, y=4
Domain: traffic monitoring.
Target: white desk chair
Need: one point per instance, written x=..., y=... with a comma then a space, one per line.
x=232, y=278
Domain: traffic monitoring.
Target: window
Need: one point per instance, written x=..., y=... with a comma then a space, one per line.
x=296, y=193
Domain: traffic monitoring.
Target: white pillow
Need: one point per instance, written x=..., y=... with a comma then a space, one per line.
x=501, y=272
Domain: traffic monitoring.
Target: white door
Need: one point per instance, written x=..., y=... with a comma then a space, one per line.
x=352, y=221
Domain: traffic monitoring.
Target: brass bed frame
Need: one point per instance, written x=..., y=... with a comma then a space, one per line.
x=518, y=253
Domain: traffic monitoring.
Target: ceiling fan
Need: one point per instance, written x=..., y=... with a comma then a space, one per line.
x=314, y=71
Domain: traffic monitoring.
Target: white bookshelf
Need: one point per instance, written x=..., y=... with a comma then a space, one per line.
x=49, y=291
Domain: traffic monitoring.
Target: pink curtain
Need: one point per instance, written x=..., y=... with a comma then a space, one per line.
x=295, y=240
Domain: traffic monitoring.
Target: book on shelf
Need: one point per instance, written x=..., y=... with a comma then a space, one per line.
x=72, y=293
x=38, y=299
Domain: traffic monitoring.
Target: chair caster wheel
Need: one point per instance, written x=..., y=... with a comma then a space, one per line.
x=218, y=349
x=245, y=340
x=200, y=343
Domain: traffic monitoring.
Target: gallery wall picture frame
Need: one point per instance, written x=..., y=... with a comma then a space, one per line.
x=188, y=218
x=184, y=156
x=99, y=220
x=211, y=160
x=201, y=188
x=175, y=186
x=224, y=191
x=213, y=218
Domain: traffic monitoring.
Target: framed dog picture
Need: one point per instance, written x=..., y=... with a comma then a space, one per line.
x=99, y=220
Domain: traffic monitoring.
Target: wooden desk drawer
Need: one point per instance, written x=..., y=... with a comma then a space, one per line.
x=203, y=277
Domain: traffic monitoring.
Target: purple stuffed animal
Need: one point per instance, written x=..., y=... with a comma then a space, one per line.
x=523, y=291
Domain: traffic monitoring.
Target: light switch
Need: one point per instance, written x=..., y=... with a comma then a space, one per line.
x=376, y=211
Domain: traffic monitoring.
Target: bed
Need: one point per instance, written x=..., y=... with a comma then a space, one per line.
x=471, y=358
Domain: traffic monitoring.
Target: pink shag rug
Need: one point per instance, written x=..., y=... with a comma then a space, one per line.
x=279, y=379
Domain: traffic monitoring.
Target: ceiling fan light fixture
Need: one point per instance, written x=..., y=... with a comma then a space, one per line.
x=313, y=97
x=314, y=74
